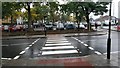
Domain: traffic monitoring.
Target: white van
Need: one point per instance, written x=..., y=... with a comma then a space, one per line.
x=60, y=26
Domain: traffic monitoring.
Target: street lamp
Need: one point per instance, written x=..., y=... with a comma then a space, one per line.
x=109, y=33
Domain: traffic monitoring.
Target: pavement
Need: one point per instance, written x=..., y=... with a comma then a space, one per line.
x=90, y=61
x=67, y=35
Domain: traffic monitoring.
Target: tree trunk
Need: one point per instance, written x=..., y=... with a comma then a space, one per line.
x=88, y=23
x=29, y=18
x=11, y=19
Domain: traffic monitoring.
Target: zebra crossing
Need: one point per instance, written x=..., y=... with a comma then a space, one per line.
x=58, y=46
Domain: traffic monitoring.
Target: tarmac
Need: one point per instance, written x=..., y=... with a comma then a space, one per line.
x=90, y=61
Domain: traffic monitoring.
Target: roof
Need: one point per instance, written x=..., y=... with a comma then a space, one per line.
x=102, y=18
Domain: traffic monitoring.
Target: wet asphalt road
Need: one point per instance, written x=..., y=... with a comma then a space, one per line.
x=31, y=48
x=98, y=43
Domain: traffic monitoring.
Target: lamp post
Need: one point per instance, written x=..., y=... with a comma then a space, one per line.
x=109, y=33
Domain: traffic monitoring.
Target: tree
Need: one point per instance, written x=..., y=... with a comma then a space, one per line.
x=81, y=9
x=53, y=10
x=98, y=8
x=10, y=8
x=41, y=11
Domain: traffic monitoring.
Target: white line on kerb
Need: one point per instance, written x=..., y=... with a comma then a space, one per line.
x=91, y=48
x=27, y=48
x=85, y=45
x=30, y=45
x=16, y=57
x=98, y=53
x=22, y=52
x=113, y=52
x=80, y=41
x=35, y=41
x=6, y=58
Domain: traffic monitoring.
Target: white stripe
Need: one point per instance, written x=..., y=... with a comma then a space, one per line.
x=58, y=47
x=4, y=45
x=91, y=48
x=16, y=57
x=59, y=52
x=113, y=52
x=35, y=41
x=56, y=40
x=78, y=40
x=82, y=42
x=98, y=53
x=27, y=48
x=30, y=45
x=22, y=52
x=85, y=45
x=6, y=58
x=58, y=44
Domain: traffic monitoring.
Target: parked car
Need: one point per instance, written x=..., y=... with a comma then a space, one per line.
x=48, y=26
x=25, y=27
x=118, y=27
x=1, y=28
x=98, y=23
x=107, y=23
x=70, y=26
x=84, y=23
x=6, y=28
x=12, y=28
x=81, y=26
x=60, y=26
x=19, y=27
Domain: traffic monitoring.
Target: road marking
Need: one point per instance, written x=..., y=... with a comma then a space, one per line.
x=80, y=52
x=5, y=45
x=78, y=40
x=55, y=40
x=27, y=48
x=35, y=41
x=58, y=47
x=58, y=44
x=6, y=58
x=98, y=53
x=59, y=52
x=91, y=48
x=16, y=57
x=112, y=52
x=82, y=42
x=30, y=45
x=85, y=45
x=22, y=52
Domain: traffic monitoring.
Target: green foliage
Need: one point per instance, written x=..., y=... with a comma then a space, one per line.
x=9, y=8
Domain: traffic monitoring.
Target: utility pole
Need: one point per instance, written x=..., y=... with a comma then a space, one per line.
x=109, y=33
